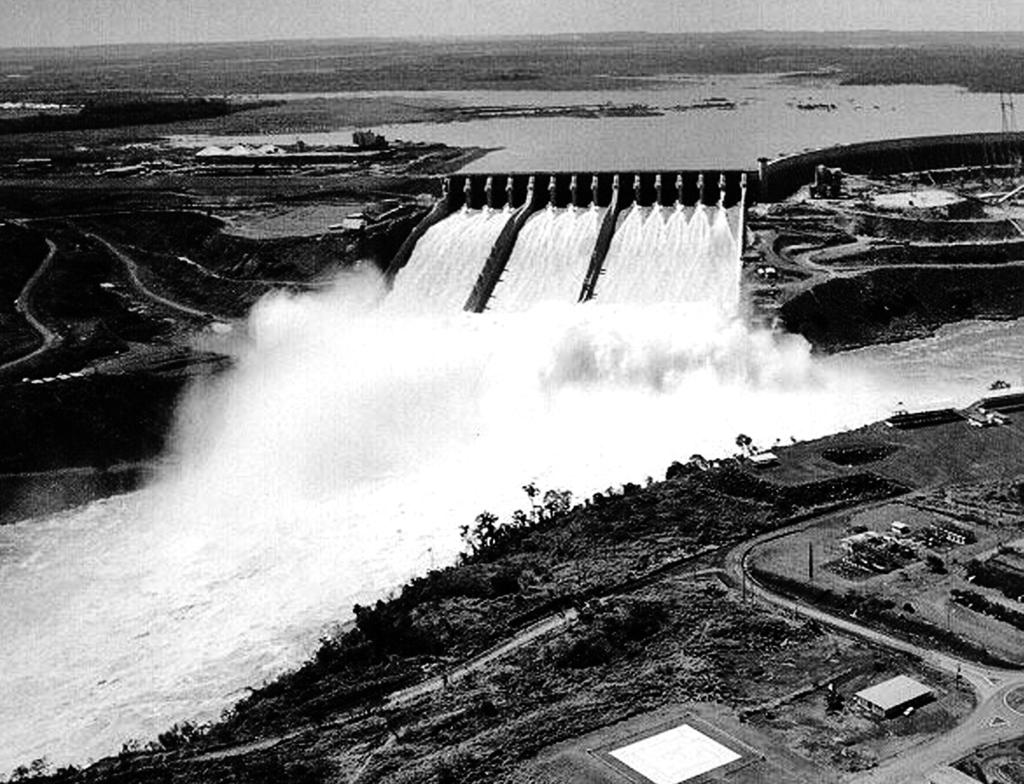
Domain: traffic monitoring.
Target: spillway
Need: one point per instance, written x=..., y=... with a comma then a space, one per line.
x=446, y=262
x=550, y=259
x=506, y=242
x=673, y=254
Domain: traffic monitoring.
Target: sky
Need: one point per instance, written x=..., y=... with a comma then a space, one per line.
x=86, y=22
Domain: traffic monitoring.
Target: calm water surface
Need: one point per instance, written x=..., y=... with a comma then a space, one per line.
x=767, y=121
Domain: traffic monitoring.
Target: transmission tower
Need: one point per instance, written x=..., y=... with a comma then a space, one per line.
x=1007, y=112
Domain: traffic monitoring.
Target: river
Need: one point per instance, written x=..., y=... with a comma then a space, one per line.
x=347, y=447
x=765, y=118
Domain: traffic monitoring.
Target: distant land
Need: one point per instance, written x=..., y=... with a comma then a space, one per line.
x=978, y=61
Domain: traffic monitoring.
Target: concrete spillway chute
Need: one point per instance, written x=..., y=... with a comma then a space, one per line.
x=604, y=241
x=498, y=258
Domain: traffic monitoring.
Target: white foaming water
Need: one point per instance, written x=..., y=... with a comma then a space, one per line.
x=550, y=259
x=338, y=457
x=673, y=254
x=445, y=263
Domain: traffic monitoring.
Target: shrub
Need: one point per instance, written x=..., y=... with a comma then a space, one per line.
x=935, y=564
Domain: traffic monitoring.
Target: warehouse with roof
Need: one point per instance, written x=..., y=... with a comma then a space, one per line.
x=894, y=696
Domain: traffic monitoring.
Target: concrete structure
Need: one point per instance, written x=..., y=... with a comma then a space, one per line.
x=906, y=420
x=783, y=177
x=931, y=203
x=354, y=221
x=854, y=541
x=675, y=756
x=528, y=193
x=955, y=534
x=764, y=459
x=1005, y=400
x=948, y=775
x=894, y=696
x=605, y=189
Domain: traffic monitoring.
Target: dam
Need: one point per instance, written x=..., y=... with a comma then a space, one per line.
x=507, y=242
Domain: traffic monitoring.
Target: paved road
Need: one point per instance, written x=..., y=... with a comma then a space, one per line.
x=524, y=636
x=23, y=304
x=133, y=273
x=992, y=720
x=407, y=695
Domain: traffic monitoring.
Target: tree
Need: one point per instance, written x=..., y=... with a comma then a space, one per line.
x=557, y=502
x=935, y=564
x=481, y=535
x=745, y=443
x=37, y=768
x=833, y=701
x=532, y=491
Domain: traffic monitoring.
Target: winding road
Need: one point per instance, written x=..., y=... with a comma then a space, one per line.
x=133, y=273
x=23, y=304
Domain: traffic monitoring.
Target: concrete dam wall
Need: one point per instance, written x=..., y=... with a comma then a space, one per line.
x=783, y=177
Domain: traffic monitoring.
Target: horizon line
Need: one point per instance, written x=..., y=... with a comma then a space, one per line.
x=427, y=38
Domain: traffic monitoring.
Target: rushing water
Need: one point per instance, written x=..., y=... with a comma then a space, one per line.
x=342, y=455
x=672, y=254
x=350, y=442
x=550, y=259
x=445, y=263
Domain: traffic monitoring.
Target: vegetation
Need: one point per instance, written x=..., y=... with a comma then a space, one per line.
x=973, y=600
x=116, y=113
x=602, y=556
x=871, y=609
x=935, y=564
x=991, y=573
x=889, y=304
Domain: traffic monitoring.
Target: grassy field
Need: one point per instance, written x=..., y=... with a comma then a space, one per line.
x=921, y=592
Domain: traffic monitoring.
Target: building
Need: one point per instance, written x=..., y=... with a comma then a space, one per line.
x=1003, y=400
x=368, y=140
x=899, y=529
x=893, y=697
x=764, y=459
x=354, y=221
x=906, y=420
x=986, y=419
x=953, y=533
